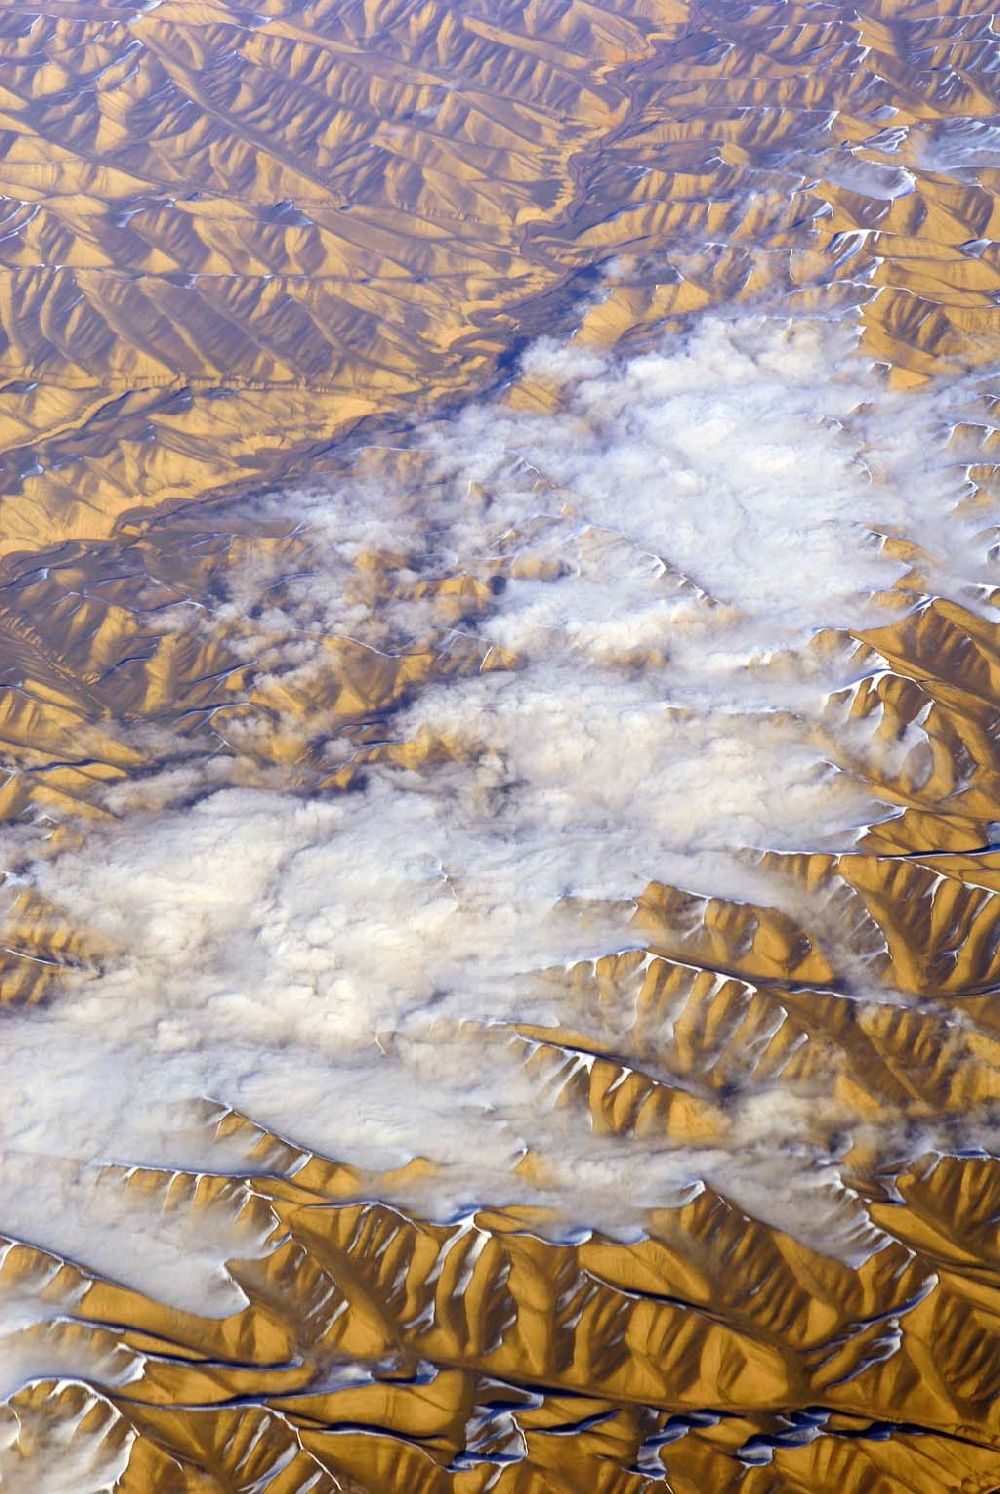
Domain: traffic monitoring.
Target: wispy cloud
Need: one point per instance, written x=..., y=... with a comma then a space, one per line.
x=660, y=554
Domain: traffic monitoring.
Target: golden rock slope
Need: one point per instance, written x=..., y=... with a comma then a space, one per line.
x=228, y=238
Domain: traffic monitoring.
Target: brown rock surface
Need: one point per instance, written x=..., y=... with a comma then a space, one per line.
x=232, y=235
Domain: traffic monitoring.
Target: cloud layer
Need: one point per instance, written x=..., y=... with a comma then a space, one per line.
x=665, y=547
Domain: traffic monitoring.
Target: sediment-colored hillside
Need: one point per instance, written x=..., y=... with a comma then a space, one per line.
x=253, y=258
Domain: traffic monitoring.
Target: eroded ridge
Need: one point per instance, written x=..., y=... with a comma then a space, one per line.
x=228, y=237
x=500, y=948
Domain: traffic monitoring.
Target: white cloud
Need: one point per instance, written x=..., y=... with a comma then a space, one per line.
x=682, y=529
